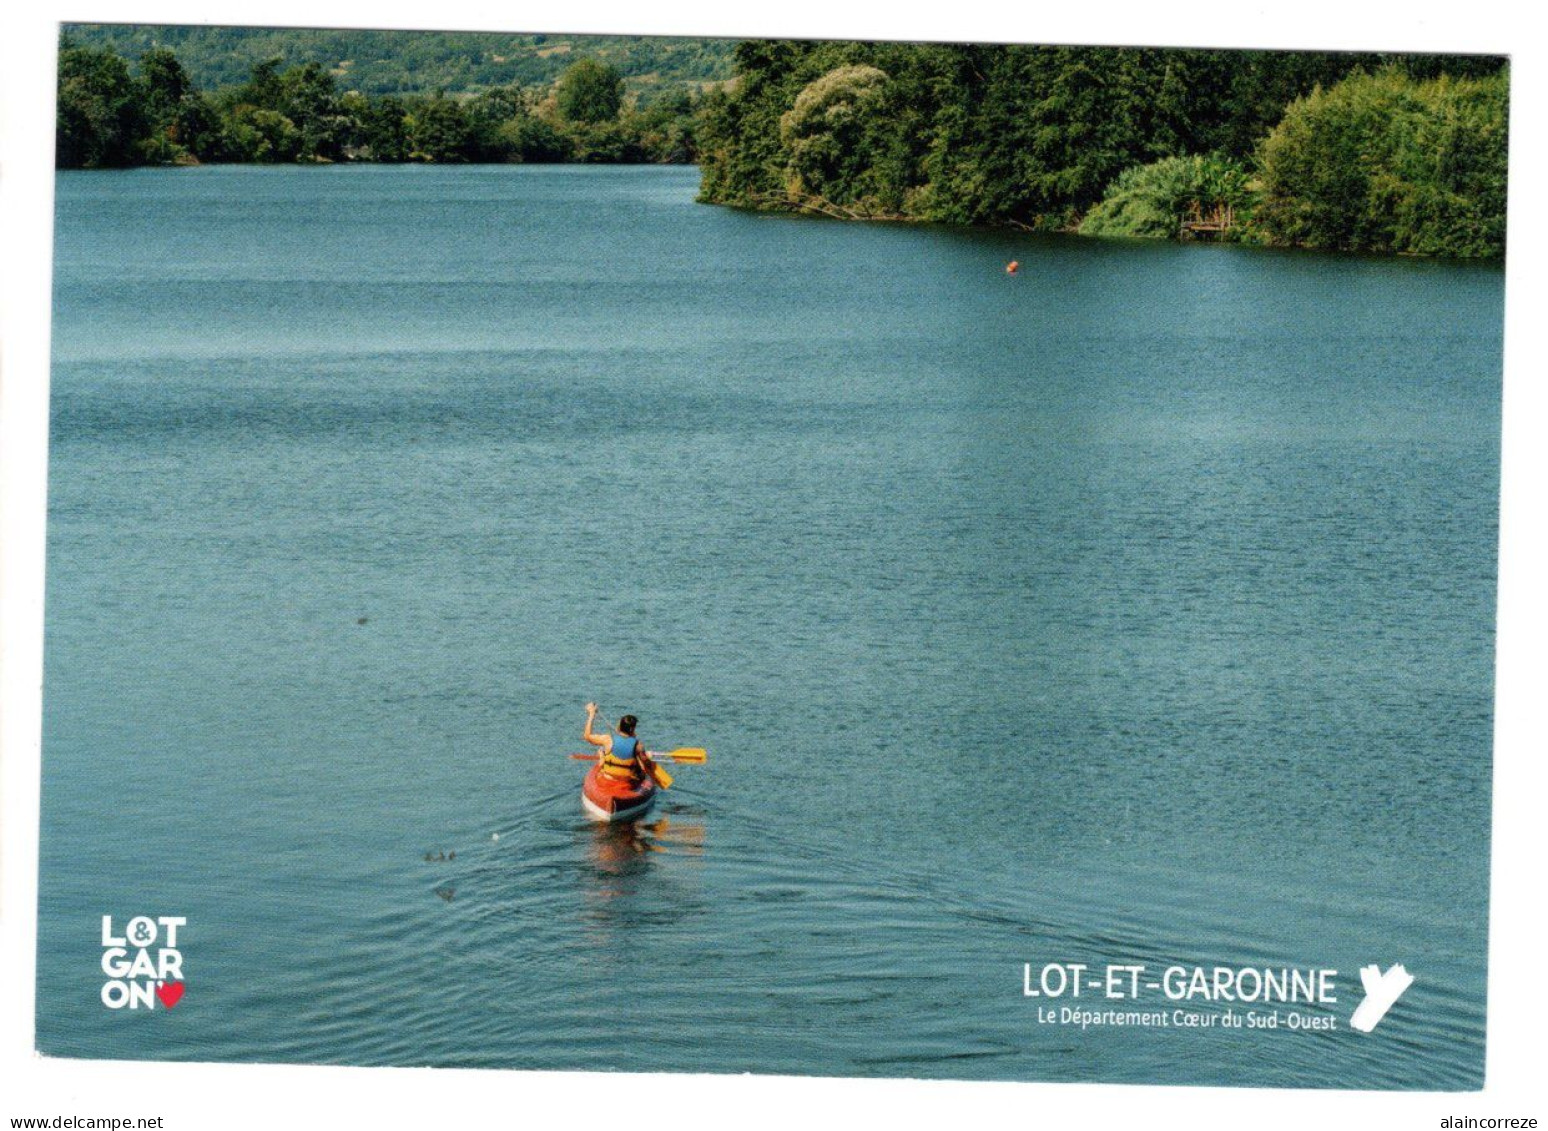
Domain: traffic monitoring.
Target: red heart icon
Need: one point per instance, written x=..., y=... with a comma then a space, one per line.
x=170, y=993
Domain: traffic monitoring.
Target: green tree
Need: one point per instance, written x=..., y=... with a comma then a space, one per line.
x=589, y=92
x=605, y=143
x=1386, y=163
x=832, y=133
x=101, y=121
x=198, y=127
x=536, y=140
x=378, y=127
x=181, y=123
x=965, y=133
x=439, y=130
x=263, y=137
x=164, y=84
x=488, y=114
x=309, y=97
x=665, y=129
x=1154, y=200
x=263, y=89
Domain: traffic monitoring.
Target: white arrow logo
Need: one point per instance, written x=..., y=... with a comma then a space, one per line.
x=1381, y=990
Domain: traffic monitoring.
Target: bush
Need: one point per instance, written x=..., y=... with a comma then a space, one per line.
x=109, y=117
x=263, y=137
x=537, y=141
x=1386, y=163
x=830, y=137
x=1155, y=200
x=439, y=130
x=101, y=119
x=589, y=92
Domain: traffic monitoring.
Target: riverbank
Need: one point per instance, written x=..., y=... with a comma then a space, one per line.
x=1397, y=154
x=1386, y=153
x=112, y=114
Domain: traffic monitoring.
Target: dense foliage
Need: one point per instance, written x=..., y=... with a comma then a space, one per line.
x=101, y=111
x=110, y=115
x=1385, y=163
x=1156, y=200
x=1038, y=136
x=589, y=92
x=1356, y=151
x=418, y=62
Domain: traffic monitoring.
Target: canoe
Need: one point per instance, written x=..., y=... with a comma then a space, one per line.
x=614, y=799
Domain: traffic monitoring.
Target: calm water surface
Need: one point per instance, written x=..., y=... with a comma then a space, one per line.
x=1137, y=608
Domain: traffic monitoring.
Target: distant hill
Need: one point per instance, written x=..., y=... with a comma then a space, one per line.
x=406, y=62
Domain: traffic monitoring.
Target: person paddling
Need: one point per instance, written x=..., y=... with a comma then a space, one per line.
x=623, y=756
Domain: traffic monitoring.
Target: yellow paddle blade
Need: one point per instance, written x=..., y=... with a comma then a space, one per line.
x=663, y=779
x=688, y=754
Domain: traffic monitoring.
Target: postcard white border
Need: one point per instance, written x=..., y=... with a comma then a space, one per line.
x=230, y=1096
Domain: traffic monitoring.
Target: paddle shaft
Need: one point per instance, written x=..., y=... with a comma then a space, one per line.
x=681, y=754
x=689, y=756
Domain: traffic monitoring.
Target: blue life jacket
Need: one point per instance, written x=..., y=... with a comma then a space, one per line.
x=621, y=757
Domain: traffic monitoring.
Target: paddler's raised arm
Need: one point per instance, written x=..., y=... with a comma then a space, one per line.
x=595, y=740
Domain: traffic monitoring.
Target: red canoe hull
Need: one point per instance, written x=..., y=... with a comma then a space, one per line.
x=612, y=799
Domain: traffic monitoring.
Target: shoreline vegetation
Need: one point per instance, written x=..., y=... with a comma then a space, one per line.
x=112, y=115
x=1398, y=154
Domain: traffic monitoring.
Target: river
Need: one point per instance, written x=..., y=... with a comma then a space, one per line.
x=1136, y=608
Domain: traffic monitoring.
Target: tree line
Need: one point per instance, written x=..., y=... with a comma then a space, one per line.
x=1391, y=153
x=112, y=115
x=1321, y=149
x=382, y=61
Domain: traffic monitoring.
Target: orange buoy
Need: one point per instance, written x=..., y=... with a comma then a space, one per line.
x=1012, y=267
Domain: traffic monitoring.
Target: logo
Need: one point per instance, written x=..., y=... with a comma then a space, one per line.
x=144, y=965
x=1291, y=999
x=1381, y=990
